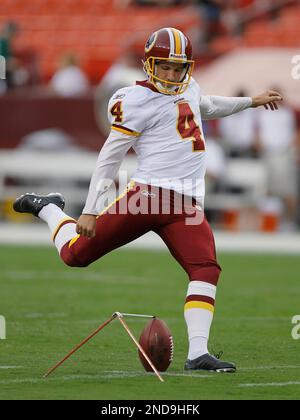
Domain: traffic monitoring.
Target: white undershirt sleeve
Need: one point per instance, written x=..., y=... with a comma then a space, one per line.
x=108, y=164
x=213, y=107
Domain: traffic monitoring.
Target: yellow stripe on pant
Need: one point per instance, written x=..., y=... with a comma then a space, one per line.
x=130, y=187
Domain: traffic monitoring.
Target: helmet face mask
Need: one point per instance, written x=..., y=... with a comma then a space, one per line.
x=165, y=86
x=172, y=46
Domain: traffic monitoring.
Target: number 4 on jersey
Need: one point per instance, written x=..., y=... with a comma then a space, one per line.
x=187, y=127
x=117, y=112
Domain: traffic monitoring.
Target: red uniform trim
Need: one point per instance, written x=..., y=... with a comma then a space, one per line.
x=148, y=85
x=200, y=298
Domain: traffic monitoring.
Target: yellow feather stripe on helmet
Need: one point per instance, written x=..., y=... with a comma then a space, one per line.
x=178, y=44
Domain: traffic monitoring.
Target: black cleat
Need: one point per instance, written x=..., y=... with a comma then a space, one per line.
x=32, y=203
x=209, y=362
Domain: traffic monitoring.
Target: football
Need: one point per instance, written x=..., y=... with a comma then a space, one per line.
x=157, y=342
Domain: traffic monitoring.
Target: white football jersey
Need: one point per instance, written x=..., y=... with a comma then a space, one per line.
x=169, y=144
x=166, y=133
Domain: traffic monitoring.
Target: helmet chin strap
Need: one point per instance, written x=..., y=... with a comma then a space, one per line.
x=165, y=86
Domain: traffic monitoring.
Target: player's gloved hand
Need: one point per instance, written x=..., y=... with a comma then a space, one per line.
x=86, y=225
x=267, y=99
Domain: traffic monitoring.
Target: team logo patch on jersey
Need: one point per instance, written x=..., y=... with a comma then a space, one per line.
x=179, y=100
x=120, y=96
x=148, y=194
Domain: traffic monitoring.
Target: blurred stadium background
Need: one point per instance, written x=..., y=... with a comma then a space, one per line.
x=65, y=58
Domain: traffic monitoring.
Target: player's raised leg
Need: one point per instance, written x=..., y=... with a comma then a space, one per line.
x=50, y=209
x=115, y=227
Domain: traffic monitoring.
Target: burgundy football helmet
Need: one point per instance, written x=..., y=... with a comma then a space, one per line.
x=171, y=45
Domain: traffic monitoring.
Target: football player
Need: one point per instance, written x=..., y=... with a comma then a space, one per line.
x=161, y=118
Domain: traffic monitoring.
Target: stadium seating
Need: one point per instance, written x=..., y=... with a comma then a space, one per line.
x=284, y=31
x=95, y=30
x=98, y=30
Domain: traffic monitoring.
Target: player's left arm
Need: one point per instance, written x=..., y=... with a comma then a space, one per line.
x=213, y=107
x=268, y=99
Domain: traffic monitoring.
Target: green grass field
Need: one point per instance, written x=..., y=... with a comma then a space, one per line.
x=49, y=308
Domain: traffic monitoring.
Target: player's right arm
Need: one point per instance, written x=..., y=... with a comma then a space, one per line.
x=123, y=113
x=107, y=166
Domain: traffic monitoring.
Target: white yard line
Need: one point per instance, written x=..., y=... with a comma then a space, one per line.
x=197, y=374
x=37, y=315
x=104, y=375
x=68, y=275
x=270, y=384
x=269, y=368
x=135, y=374
x=10, y=367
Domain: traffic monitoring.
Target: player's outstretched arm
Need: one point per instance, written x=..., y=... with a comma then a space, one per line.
x=268, y=99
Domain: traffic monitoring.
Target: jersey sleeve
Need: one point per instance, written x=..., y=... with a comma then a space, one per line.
x=196, y=89
x=125, y=112
x=107, y=166
x=213, y=107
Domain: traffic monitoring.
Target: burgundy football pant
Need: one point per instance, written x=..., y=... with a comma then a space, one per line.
x=129, y=217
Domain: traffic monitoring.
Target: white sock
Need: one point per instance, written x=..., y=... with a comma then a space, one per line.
x=62, y=226
x=197, y=347
x=198, y=314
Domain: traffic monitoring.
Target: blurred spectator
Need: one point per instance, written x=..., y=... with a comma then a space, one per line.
x=238, y=132
x=7, y=34
x=124, y=72
x=215, y=165
x=210, y=15
x=69, y=80
x=215, y=172
x=48, y=140
x=220, y=17
x=277, y=135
